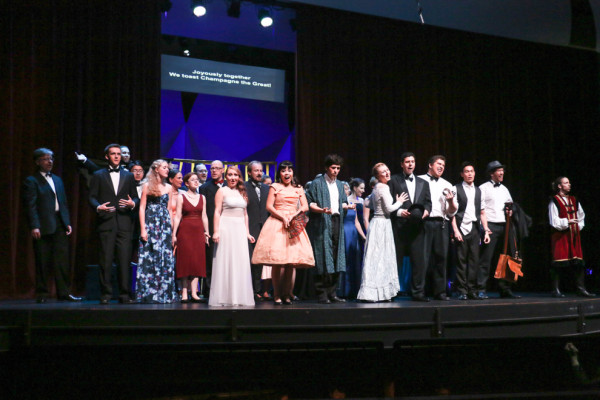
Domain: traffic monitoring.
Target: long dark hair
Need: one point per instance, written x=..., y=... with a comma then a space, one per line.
x=290, y=165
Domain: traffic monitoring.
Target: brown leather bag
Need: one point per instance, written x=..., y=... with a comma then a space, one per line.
x=508, y=268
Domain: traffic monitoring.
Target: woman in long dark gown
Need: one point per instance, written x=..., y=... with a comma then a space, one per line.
x=191, y=235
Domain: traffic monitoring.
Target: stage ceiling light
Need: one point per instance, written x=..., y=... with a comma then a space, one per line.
x=265, y=18
x=233, y=10
x=198, y=8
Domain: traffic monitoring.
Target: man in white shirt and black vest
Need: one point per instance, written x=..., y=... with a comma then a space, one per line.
x=466, y=226
x=494, y=196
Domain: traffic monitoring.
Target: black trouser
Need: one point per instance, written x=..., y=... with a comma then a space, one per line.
x=52, y=253
x=409, y=239
x=326, y=283
x=488, y=258
x=255, y=269
x=115, y=245
x=467, y=253
x=436, y=252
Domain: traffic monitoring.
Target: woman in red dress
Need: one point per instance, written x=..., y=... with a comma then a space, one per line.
x=191, y=235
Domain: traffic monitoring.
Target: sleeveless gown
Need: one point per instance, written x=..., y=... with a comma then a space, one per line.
x=231, y=277
x=191, y=250
x=350, y=280
x=156, y=282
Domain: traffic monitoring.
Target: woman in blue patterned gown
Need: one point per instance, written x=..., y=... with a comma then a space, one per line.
x=354, y=236
x=156, y=282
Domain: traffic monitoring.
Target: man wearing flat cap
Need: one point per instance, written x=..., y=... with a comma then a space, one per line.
x=494, y=195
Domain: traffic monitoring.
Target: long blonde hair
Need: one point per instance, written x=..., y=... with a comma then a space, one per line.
x=153, y=178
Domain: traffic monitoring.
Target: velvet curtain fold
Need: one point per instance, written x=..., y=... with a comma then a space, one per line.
x=79, y=75
x=371, y=88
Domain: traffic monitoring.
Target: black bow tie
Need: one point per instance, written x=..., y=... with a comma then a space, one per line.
x=48, y=175
x=431, y=178
x=408, y=177
x=138, y=183
x=114, y=170
x=496, y=184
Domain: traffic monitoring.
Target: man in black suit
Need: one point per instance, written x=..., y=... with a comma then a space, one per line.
x=46, y=205
x=257, y=215
x=209, y=190
x=407, y=222
x=113, y=195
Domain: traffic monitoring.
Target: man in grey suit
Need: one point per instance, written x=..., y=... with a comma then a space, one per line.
x=257, y=215
x=113, y=195
x=48, y=214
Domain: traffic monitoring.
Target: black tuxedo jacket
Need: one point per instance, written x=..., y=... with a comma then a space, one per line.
x=209, y=190
x=397, y=186
x=40, y=203
x=257, y=210
x=102, y=191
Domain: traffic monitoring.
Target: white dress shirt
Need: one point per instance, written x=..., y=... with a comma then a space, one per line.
x=439, y=204
x=470, y=215
x=334, y=195
x=48, y=178
x=114, y=177
x=493, y=199
x=562, y=224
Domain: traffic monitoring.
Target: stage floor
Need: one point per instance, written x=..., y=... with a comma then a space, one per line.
x=305, y=324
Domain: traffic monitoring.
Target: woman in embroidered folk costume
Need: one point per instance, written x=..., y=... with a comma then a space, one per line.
x=283, y=242
x=567, y=220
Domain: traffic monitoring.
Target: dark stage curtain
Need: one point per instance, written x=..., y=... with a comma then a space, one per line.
x=371, y=88
x=77, y=76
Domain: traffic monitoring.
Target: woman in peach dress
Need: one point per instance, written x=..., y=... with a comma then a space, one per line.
x=274, y=246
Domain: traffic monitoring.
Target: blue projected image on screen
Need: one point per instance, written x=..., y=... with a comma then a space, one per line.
x=186, y=74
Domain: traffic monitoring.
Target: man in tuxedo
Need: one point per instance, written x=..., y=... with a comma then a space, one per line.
x=113, y=195
x=257, y=215
x=209, y=190
x=46, y=206
x=202, y=173
x=409, y=233
x=437, y=224
x=137, y=170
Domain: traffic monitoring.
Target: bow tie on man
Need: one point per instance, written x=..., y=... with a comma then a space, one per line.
x=432, y=178
x=408, y=177
x=113, y=170
x=48, y=174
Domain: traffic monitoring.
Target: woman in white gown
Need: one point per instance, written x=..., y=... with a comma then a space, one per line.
x=380, y=274
x=231, y=277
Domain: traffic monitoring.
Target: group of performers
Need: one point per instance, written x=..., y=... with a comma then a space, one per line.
x=223, y=238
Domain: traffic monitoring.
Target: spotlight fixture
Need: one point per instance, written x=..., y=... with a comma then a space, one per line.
x=265, y=18
x=198, y=8
x=233, y=10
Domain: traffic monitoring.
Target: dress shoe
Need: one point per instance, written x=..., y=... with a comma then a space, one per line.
x=442, y=297
x=324, y=301
x=482, y=295
x=509, y=295
x=421, y=299
x=104, y=301
x=336, y=299
x=557, y=294
x=127, y=301
x=585, y=293
x=287, y=301
x=473, y=296
x=185, y=301
x=278, y=302
x=71, y=298
x=41, y=300
x=463, y=296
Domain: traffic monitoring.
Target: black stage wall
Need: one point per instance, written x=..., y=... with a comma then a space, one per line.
x=371, y=88
x=82, y=75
